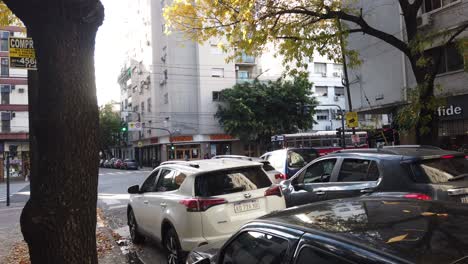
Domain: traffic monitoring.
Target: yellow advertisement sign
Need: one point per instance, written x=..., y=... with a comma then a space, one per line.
x=22, y=53
x=352, y=119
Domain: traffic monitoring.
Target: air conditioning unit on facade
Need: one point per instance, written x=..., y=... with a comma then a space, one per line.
x=336, y=74
x=424, y=20
x=336, y=98
x=162, y=82
x=324, y=74
x=237, y=68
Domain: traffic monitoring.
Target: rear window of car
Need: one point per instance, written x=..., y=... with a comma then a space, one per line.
x=268, y=167
x=439, y=170
x=231, y=181
x=298, y=158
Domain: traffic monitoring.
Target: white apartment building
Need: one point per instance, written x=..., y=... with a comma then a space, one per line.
x=173, y=85
x=325, y=76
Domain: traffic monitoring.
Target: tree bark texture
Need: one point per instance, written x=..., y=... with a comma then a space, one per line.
x=59, y=220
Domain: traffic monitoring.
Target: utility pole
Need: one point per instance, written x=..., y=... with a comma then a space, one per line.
x=345, y=69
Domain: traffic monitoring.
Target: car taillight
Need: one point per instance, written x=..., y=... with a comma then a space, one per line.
x=280, y=176
x=447, y=157
x=418, y=196
x=273, y=190
x=201, y=204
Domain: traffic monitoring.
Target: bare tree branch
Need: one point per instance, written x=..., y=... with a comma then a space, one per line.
x=358, y=20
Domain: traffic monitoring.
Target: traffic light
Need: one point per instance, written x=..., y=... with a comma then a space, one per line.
x=306, y=109
x=13, y=150
x=338, y=132
x=299, y=108
x=124, y=127
x=172, y=147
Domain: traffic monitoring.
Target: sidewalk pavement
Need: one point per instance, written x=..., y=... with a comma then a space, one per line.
x=13, y=249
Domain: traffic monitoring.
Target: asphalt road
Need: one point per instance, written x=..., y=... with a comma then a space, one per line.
x=112, y=199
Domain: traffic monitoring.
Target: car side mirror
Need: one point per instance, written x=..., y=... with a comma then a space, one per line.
x=133, y=189
x=299, y=186
x=203, y=261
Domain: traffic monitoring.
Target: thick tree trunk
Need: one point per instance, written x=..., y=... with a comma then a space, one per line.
x=428, y=120
x=59, y=220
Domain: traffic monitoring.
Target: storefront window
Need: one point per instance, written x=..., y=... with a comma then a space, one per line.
x=221, y=148
x=184, y=152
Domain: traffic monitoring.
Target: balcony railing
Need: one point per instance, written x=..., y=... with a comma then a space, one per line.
x=244, y=58
x=240, y=81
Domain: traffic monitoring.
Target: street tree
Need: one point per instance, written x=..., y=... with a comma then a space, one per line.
x=256, y=111
x=59, y=220
x=300, y=27
x=110, y=125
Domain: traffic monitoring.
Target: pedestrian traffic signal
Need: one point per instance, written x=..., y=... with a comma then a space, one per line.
x=172, y=147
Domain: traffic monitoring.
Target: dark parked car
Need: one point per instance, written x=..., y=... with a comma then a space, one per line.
x=129, y=164
x=412, y=172
x=349, y=231
x=290, y=160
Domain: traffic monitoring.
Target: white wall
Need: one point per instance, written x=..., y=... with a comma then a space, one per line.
x=20, y=122
x=17, y=97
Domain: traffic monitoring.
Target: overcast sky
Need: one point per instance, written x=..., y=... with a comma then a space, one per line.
x=110, y=50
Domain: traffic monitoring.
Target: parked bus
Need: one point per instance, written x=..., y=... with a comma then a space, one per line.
x=323, y=141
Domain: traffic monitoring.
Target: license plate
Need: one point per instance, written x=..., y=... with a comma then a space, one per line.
x=246, y=206
x=464, y=199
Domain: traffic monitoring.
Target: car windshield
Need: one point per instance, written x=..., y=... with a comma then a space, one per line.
x=231, y=181
x=129, y=160
x=441, y=170
x=298, y=158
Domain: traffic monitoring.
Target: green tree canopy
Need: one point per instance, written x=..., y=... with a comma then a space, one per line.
x=256, y=111
x=109, y=127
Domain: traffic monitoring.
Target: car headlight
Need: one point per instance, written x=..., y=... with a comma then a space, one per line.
x=193, y=257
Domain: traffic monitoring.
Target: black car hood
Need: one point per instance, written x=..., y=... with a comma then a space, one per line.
x=209, y=250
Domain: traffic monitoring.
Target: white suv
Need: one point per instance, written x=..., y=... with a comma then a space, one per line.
x=188, y=204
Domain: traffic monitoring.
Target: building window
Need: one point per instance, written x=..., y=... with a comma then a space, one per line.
x=337, y=70
x=166, y=98
x=321, y=90
x=322, y=115
x=339, y=91
x=215, y=50
x=242, y=74
x=142, y=107
x=217, y=72
x=165, y=74
x=4, y=40
x=150, y=124
x=6, y=117
x=320, y=68
x=216, y=96
x=149, y=105
x=5, y=67
x=430, y=5
x=451, y=59
x=5, y=91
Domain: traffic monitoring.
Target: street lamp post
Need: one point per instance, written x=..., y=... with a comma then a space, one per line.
x=342, y=122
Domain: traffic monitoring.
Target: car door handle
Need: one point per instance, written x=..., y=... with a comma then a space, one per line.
x=163, y=205
x=145, y=202
x=367, y=190
x=320, y=192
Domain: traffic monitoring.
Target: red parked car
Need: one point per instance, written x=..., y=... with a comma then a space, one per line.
x=118, y=164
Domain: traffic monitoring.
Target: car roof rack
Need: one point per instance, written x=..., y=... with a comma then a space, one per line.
x=181, y=162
